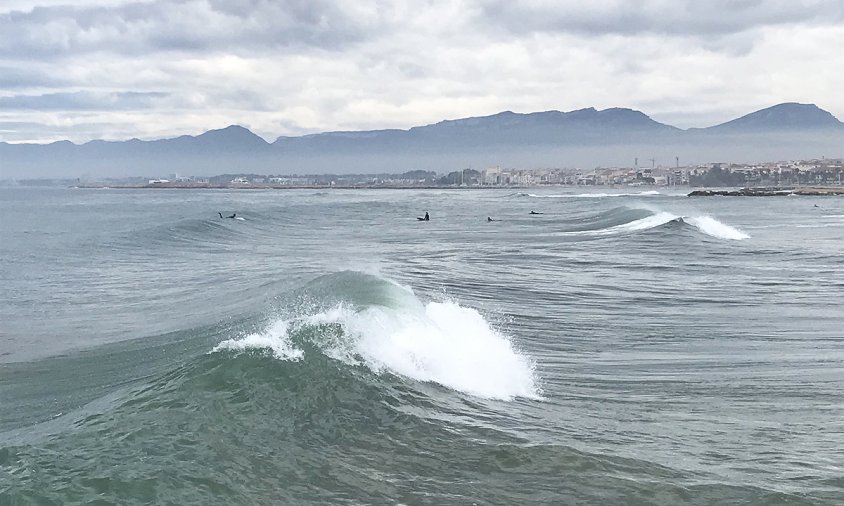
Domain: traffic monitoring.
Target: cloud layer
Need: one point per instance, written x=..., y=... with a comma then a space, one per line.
x=120, y=69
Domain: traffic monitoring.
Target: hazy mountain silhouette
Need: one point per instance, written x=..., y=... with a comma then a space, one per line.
x=782, y=117
x=584, y=138
x=502, y=129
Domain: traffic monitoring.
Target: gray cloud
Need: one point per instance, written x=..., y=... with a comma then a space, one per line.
x=15, y=77
x=192, y=26
x=122, y=68
x=78, y=132
x=83, y=101
x=675, y=17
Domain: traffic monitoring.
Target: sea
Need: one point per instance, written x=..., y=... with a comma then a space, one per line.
x=630, y=346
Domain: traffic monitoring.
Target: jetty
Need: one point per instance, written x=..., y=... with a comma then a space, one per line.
x=772, y=192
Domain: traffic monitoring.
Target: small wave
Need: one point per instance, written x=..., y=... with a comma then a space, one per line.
x=706, y=224
x=437, y=342
x=648, y=193
x=649, y=222
x=187, y=232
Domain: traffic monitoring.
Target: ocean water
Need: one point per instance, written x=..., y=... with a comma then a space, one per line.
x=625, y=346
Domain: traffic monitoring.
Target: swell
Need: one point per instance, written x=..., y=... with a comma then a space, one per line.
x=364, y=328
x=208, y=232
x=232, y=428
x=331, y=374
x=205, y=234
x=373, y=375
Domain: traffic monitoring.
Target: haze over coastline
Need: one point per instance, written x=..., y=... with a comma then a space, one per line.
x=586, y=137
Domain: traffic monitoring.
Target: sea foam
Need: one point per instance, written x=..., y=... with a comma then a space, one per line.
x=276, y=339
x=446, y=343
x=715, y=228
x=439, y=342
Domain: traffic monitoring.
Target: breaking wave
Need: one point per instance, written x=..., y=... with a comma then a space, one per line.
x=438, y=342
x=624, y=220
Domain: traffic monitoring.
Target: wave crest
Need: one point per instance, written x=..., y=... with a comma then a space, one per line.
x=437, y=342
x=633, y=221
x=275, y=338
x=713, y=227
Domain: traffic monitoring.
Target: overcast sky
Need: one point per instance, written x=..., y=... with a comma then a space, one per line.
x=115, y=69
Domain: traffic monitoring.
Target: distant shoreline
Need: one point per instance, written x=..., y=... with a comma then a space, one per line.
x=806, y=191
x=259, y=186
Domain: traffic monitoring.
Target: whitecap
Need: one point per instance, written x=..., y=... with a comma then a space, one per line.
x=437, y=342
x=710, y=226
x=275, y=338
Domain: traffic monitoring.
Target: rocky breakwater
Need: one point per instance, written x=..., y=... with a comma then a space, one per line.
x=769, y=192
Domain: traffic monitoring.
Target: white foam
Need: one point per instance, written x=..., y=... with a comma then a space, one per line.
x=820, y=225
x=653, y=221
x=711, y=226
x=446, y=344
x=441, y=342
x=276, y=338
x=648, y=193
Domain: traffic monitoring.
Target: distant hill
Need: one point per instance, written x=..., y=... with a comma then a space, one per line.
x=502, y=129
x=582, y=138
x=231, y=137
x=782, y=117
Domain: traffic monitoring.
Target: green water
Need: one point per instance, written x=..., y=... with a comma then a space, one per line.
x=623, y=347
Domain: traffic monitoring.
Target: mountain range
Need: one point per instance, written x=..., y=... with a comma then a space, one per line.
x=583, y=138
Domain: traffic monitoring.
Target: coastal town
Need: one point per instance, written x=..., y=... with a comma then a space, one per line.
x=822, y=172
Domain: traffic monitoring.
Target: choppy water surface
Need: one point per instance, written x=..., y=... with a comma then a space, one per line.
x=621, y=347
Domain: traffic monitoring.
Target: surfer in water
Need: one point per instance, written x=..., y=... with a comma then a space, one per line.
x=489, y=218
x=426, y=218
x=534, y=212
x=221, y=215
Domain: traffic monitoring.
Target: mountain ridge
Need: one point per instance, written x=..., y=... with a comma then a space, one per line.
x=784, y=116
x=547, y=138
